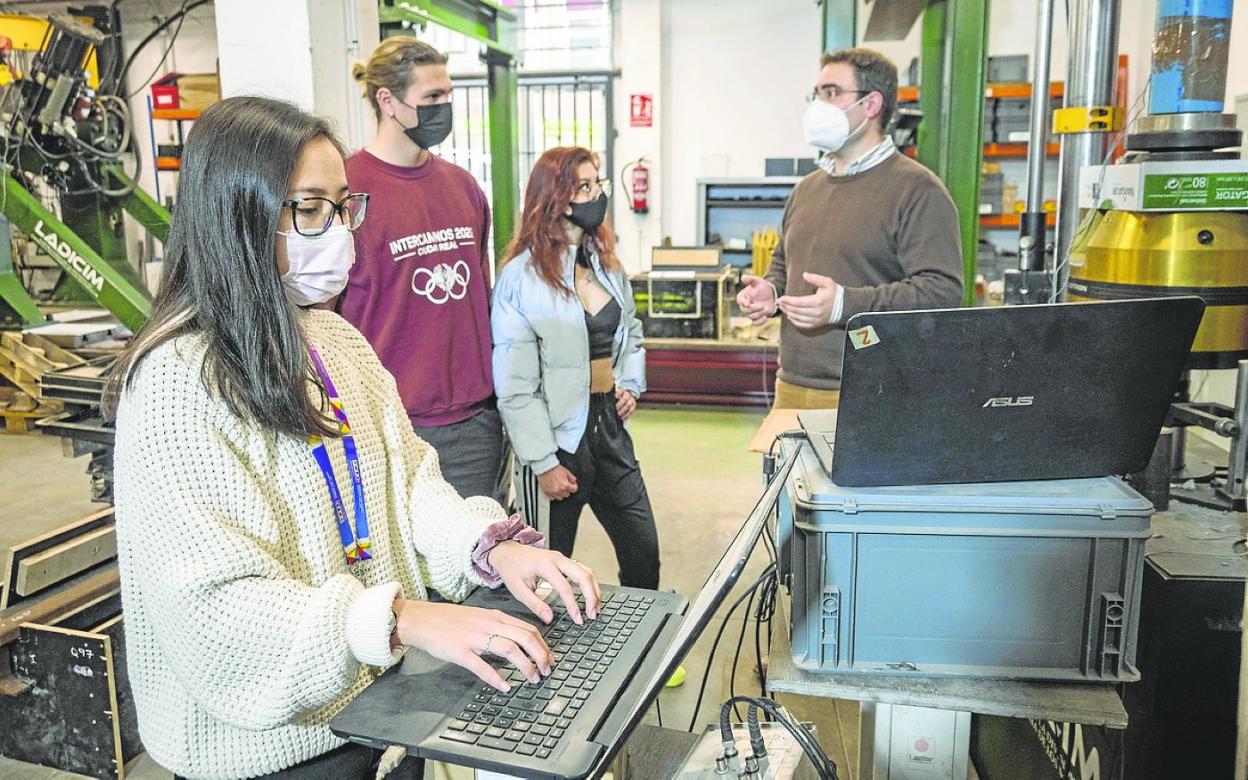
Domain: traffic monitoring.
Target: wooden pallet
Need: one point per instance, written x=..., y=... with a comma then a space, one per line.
x=21, y=422
x=25, y=358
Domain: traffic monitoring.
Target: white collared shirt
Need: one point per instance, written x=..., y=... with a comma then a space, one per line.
x=879, y=154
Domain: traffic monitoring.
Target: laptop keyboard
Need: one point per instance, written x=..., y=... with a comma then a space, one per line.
x=531, y=718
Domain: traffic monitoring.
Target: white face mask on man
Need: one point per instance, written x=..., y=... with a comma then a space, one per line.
x=827, y=126
x=318, y=265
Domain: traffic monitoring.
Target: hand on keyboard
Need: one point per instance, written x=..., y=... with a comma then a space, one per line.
x=531, y=719
x=461, y=635
x=523, y=567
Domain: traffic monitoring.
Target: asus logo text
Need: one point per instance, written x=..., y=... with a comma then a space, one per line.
x=1022, y=400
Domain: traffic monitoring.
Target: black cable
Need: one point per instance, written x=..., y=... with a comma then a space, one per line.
x=100, y=187
x=758, y=748
x=766, y=609
x=758, y=653
x=115, y=82
x=658, y=709
x=732, y=679
x=165, y=55
x=824, y=766
x=187, y=7
x=793, y=434
x=770, y=545
x=706, y=674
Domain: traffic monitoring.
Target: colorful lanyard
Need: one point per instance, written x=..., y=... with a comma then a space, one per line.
x=355, y=544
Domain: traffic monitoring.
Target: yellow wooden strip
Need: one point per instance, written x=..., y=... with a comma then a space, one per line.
x=65, y=560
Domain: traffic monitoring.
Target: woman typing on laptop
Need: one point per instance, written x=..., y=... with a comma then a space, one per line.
x=279, y=524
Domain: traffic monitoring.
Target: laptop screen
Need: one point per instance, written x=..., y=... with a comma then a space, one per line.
x=1007, y=393
x=713, y=594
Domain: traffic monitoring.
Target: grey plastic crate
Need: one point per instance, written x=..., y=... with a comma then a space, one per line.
x=1009, y=68
x=1022, y=580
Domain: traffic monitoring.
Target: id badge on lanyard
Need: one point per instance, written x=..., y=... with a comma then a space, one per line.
x=355, y=542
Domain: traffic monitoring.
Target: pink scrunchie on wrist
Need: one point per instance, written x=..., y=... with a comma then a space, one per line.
x=513, y=529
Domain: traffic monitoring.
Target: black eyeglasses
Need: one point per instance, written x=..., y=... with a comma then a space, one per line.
x=315, y=215
x=589, y=189
x=829, y=92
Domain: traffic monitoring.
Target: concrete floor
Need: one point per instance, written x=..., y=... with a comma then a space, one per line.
x=702, y=482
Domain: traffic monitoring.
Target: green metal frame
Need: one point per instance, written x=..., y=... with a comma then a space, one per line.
x=953, y=78
x=840, y=24
x=495, y=27
x=154, y=217
x=504, y=148
x=22, y=306
x=104, y=283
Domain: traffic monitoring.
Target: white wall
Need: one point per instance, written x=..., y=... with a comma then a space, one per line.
x=309, y=62
x=341, y=33
x=1011, y=30
x=733, y=86
x=639, y=55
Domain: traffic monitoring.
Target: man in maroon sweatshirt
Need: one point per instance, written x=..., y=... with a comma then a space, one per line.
x=420, y=288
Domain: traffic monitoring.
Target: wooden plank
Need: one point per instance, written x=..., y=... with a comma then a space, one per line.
x=36, y=359
x=127, y=715
x=90, y=615
x=19, y=422
x=55, y=604
x=1096, y=704
x=55, y=564
x=33, y=546
x=11, y=370
x=119, y=763
x=53, y=351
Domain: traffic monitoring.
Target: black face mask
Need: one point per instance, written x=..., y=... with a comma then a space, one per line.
x=589, y=216
x=434, y=127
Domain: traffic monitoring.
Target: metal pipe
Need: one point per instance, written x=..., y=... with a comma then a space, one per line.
x=1031, y=232
x=1237, y=472
x=1090, y=80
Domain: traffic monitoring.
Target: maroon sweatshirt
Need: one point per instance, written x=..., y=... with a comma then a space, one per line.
x=420, y=287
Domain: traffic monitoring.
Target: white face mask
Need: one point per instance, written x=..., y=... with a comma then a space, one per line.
x=318, y=265
x=827, y=126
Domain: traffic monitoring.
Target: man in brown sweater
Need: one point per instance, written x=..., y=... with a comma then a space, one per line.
x=871, y=230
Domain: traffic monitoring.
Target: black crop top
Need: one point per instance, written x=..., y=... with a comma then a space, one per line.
x=601, y=327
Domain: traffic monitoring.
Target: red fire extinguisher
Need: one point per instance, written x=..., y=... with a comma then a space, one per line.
x=639, y=193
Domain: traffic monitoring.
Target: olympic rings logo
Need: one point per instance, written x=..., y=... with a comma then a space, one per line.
x=443, y=282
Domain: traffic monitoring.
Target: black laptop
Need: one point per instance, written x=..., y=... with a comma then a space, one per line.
x=606, y=675
x=1003, y=394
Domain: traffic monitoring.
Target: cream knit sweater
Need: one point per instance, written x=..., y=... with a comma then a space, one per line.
x=245, y=629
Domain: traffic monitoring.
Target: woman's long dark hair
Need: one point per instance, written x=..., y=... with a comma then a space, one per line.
x=552, y=185
x=220, y=276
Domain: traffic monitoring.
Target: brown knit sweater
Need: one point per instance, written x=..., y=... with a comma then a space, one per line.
x=888, y=235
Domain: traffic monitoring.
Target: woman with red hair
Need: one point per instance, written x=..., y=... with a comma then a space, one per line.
x=569, y=365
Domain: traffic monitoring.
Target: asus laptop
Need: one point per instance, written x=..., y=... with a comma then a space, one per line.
x=1008, y=393
x=606, y=675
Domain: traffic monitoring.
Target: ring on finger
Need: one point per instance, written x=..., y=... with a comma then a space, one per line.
x=486, y=649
